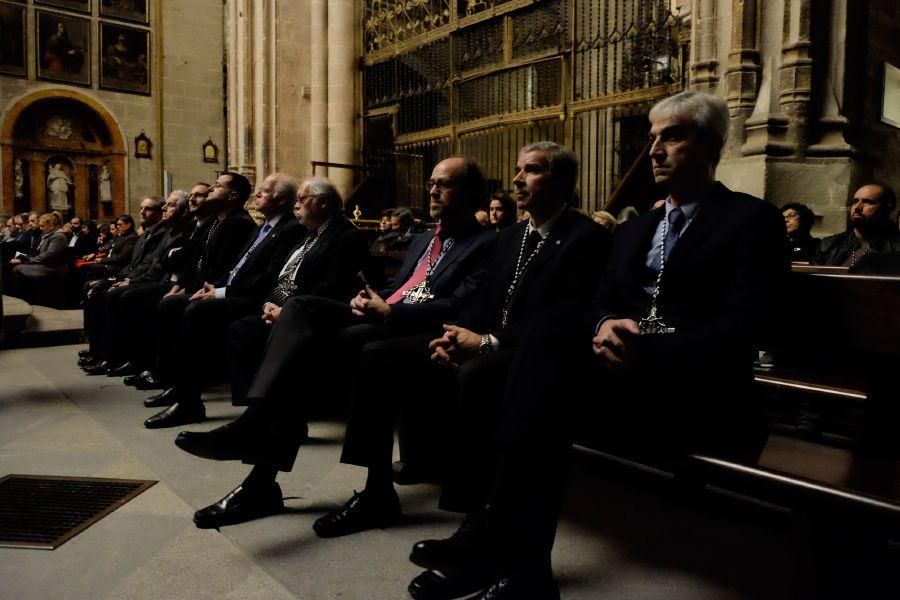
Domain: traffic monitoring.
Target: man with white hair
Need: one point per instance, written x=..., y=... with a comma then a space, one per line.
x=217, y=304
x=667, y=345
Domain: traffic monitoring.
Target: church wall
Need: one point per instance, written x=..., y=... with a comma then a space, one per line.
x=292, y=88
x=193, y=90
x=192, y=98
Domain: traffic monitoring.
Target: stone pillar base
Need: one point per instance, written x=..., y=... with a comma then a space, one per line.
x=823, y=184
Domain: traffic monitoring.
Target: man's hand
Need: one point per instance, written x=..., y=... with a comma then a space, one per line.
x=369, y=304
x=446, y=349
x=615, y=342
x=176, y=289
x=271, y=312
x=15, y=261
x=122, y=283
x=207, y=292
x=88, y=257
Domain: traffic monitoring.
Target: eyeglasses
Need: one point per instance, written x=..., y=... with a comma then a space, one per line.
x=263, y=192
x=442, y=185
x=791, y=216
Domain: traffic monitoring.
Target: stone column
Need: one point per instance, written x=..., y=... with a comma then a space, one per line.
x=245, y=100
x=796, y=71
x=704, y=70
x=318, y=55
x=341, y=90
x=742, y=76
x=833, y=120
x=232, y=160
x=259, y=80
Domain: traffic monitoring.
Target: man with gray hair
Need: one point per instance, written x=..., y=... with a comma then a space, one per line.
x=667, y=345
x=442, y=269
x=200, y=341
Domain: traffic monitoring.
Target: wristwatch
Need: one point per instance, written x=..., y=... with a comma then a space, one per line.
x=486, y=346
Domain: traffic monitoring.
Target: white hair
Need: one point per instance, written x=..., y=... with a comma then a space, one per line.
x=708, y=113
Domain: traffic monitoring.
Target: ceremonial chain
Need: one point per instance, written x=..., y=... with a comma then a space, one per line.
x=422, y=292
x=652, y=323
x=520, y=268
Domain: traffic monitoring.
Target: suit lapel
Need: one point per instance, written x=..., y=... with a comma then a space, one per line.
x=708, y=214
x=457, y=251
x=412, y=257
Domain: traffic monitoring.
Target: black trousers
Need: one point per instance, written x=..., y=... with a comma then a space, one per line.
x=432, y=402
x=311, y=352
x=200, y=352
x=137, y=332
x=169, y=312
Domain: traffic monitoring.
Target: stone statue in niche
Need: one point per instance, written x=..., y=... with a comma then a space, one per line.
x=105, y=183
x=19, y=179
x=58, y=127
x=58, y=182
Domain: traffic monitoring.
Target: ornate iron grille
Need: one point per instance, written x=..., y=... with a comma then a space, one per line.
x=388, y=22
x=539, y=30
x=532, y=86
x=480, y=46
x=485, y=77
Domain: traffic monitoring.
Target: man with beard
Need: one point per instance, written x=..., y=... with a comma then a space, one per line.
x=871, y=230
x=96, y=311
x=442, y=269
x=201, y=336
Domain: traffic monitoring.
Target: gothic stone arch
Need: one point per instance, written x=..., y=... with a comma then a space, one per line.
x=62, y=122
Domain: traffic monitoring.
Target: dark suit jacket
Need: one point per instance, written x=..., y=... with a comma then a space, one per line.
x=85, y=243
x=144, y=252
x=120, y=253
x=459, y=274
x=331, y=267
x=835, y=250
x=719, y=290
x=561, y=277
x=216, y=253
x=173, y=234
x=257, y=275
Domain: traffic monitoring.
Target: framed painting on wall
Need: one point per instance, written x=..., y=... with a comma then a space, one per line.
x=124, y=59
x=79, y=5
x=12, y=40
x=63, y=50
x=129, y=10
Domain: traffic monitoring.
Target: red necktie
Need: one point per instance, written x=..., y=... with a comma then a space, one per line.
x=421, y=271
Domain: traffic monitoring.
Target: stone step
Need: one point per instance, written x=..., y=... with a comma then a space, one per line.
x=28, y=326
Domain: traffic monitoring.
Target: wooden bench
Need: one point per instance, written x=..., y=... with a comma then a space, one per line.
x=843, y=348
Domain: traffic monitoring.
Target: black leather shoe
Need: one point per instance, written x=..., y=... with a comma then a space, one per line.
x=133, y=379
x=97, y=368
x=177, y=414
x=223, y=443
x=437, y=585
x=469, y=549
x=84, y=354
x=363, y=511
x=521, y=587
x=240, y=505
x=164, y=398
x=123, y=370
x=149, y=381
x=88, y=361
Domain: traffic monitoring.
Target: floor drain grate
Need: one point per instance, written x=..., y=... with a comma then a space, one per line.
x=43, y=511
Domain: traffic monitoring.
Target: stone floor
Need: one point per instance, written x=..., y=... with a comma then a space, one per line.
x=623, y=537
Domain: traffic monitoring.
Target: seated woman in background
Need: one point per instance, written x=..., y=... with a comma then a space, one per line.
x=501, y=210
x=799, y=219
x=38, y=279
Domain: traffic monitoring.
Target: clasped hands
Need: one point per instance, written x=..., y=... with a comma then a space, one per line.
x=616, y=342
x=207, y=292
x=456, y=340
x=367, y=303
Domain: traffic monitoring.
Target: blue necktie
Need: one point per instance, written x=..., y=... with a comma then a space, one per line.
x=676, y=224
x=262, y=235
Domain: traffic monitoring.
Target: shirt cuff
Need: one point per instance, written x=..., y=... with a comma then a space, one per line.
x=220, y=292
x=494, y=342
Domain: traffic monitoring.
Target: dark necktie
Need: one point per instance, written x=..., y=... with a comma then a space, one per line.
x=676, y=224
x=531, y=242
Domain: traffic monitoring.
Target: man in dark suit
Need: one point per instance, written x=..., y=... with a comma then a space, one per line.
x=215, y=255
x=551, y=262
x=99, y=326
x=216, y=305
x=442, y=269
x=81, y=242
x=689, y=287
